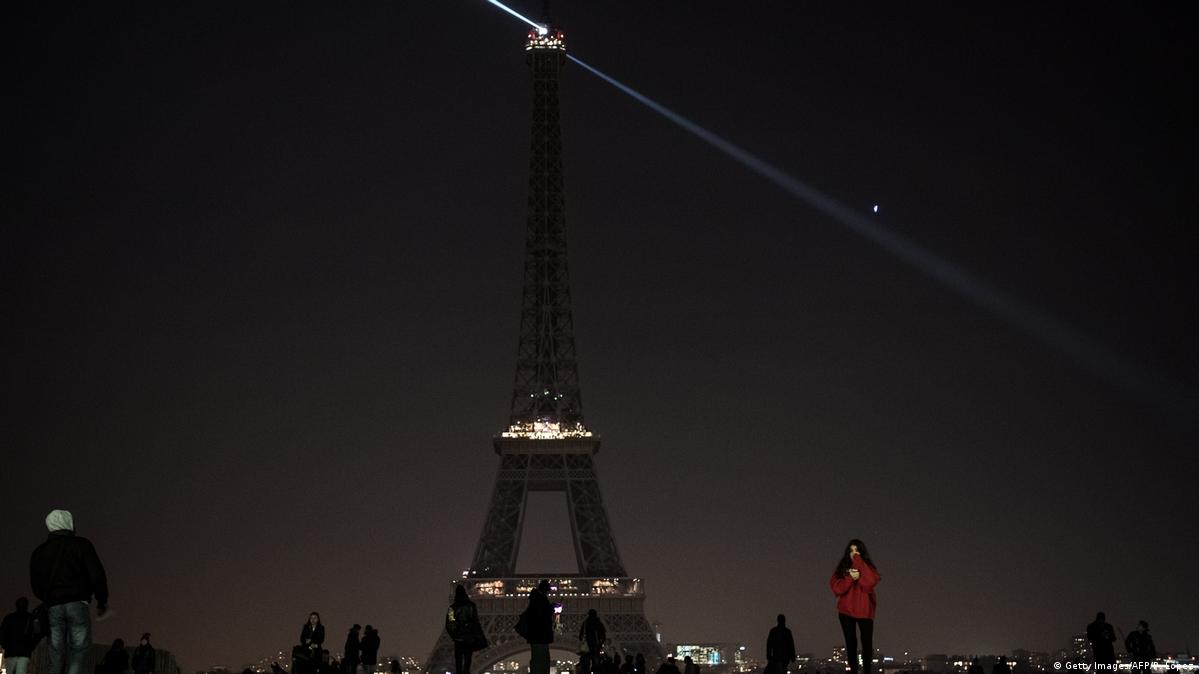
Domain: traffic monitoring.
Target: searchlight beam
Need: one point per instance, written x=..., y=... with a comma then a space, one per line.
x=1085, y=352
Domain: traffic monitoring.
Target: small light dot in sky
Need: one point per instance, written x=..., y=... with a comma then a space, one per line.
x=875, y=209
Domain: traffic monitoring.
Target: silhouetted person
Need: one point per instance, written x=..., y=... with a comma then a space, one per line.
x=689, y=666
x=1141, y=650
x=639, y=664
x=593, y=633
x=369, y=649
x=116, y=660
x=612, y=665
x=143, y=656
x=975, y=667
x=1102, y=636
x=853, y=582
x=349, y=663
x=462, y=624
x=326, y=664
x=627, y=666
x=394, y=668
x=668, y=666
x=1001, y=666
x=540, y=634
x=17, y=638
x=312, y=636
x=780, y=647
x=66, y=573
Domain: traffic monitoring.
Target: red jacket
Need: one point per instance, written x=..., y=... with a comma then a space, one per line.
x=856, y=597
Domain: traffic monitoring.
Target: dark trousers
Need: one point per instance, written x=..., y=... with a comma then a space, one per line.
x=462, y=653
x=588, y=660
x=866, y=625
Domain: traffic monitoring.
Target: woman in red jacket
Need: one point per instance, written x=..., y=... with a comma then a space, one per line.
x=853, y=582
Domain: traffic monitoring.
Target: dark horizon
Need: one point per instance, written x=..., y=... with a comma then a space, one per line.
x=264, y=283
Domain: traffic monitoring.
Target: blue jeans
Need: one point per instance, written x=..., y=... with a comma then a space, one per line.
x=70, y=627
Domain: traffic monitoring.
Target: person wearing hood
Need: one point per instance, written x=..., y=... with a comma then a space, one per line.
x=143, y=656
x=17, y=638
x=66, y=574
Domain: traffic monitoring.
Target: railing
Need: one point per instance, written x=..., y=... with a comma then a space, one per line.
x=570, y=586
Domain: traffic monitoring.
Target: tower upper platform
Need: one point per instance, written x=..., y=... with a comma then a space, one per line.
x=546, y=38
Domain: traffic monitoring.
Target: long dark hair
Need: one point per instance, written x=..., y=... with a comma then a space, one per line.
x=846, y=562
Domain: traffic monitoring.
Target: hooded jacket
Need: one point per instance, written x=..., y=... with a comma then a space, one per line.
x=855, y=598
x=15, y=637
x=143, y=658
x=66, y=568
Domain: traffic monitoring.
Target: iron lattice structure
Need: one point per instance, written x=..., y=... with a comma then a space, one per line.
x=546, y=446
x=546, y=389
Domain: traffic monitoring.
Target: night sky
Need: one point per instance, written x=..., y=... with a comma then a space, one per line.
x=261, y=280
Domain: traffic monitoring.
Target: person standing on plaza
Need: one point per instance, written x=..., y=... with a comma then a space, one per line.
x=668, y=666
x=1102, y=636
x=143, y=656
x=593, y=634
x=327, y=664
x=462, y=624
x=780, y=647
x=312, y=635
x=853, y=582
x=539, y=628
x=369, y=649
x=1141, y=650
x=66, y=574
x=17, y=638
x=116, y=660
x=1001, y=666
x=349, y=662
x=689, y=666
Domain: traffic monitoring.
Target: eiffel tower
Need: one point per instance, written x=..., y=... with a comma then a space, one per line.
x=546, y=447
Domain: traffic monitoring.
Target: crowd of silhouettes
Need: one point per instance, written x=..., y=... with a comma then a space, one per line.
x=66, y=575
x=311, y=657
